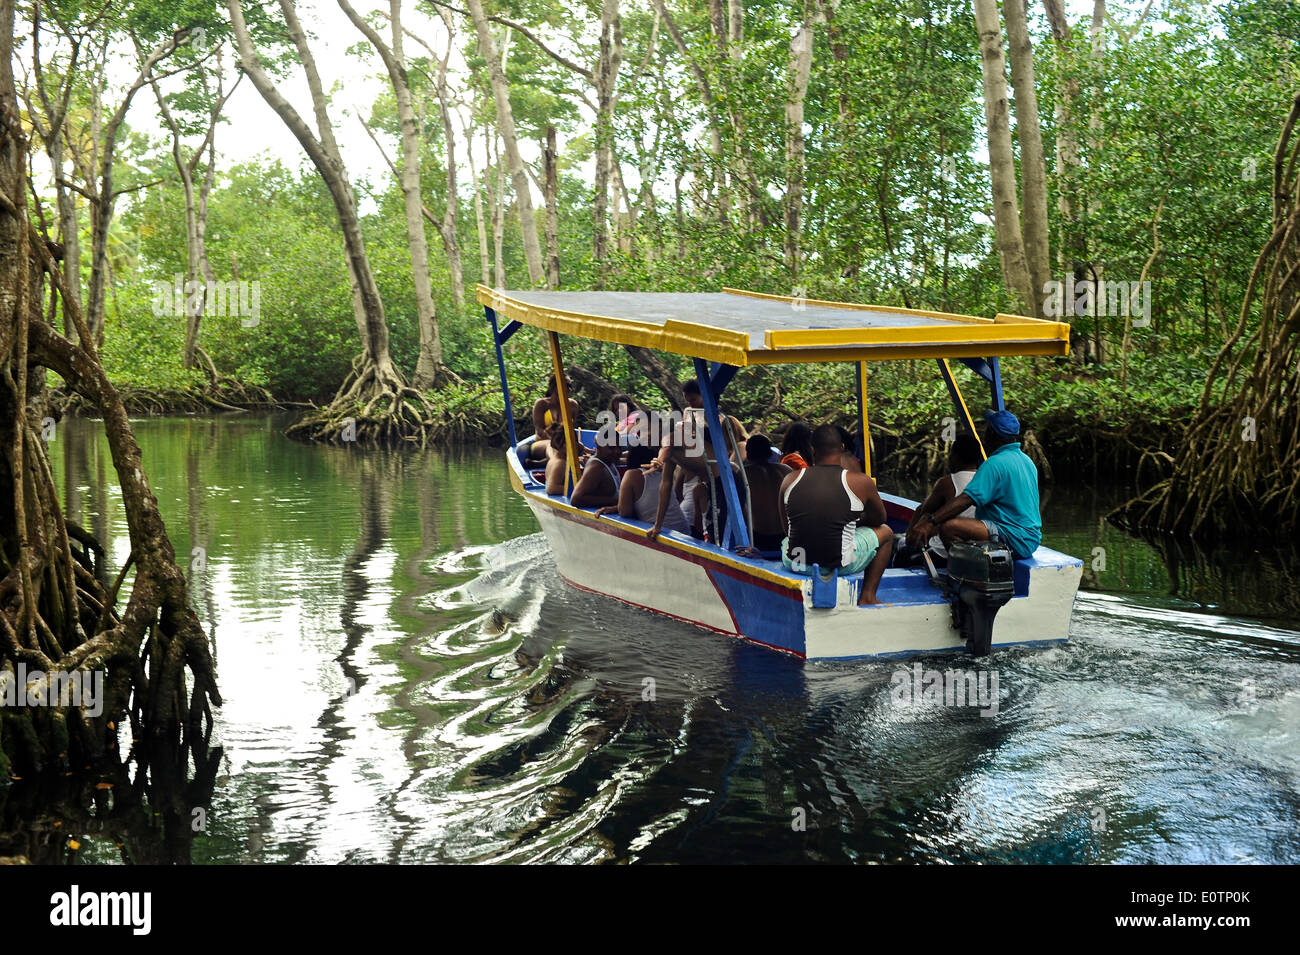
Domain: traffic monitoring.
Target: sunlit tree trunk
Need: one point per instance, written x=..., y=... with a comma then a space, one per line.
x=1033, y=164
x=800, y=68
x=429, y=362
x=369, y=406
x=1002, y=167
x=506, y=123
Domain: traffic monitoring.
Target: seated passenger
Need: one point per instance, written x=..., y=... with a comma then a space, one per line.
x=822, y=507
x=546, y=414
x=850, y=460
x=557, y=464
x=711, y=499
x=963, y=459
x=683, y=451
x=1004, y=491
x=638, y=493
x=796, y=446
x=695, y=408
x=688, y=484
x=764, y=477
x=598, y=486
x=628, y=416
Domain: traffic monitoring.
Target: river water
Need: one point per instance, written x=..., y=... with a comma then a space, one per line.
x=406, y=679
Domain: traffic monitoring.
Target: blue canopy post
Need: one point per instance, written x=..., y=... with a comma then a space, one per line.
x=736, y=533
x=989, y=370
x=499, y=338
x=995, y=385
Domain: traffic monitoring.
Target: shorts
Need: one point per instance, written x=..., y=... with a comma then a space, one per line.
x=995, y=534
x=865, y=545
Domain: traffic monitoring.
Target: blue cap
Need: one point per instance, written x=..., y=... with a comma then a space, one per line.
x=1003, y=422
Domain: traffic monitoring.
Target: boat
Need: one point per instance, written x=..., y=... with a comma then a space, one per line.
x=707, y=583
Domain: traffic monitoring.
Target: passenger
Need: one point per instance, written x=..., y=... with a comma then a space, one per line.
x=764, y=477
x=557, y=465
x=685, y=452
x=1004, y=492
x=546, y=414
x=638, y=493
x=963, y=459
x=628, y=416
x=822, y=508
x=695, y=406
x=687, y=482
x=850, y=460
x=598, y=486
x=796, y=446
x=711, y=499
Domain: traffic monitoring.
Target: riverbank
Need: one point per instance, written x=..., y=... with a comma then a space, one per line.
x=1077, y=421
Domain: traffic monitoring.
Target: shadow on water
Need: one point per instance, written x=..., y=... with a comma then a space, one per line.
x=407, y=679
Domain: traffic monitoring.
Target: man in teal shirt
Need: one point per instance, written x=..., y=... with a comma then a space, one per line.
x=1004, y=493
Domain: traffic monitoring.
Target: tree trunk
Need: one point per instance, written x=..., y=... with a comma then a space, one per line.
x=198, y=272
x=484, y=258
x=800, y=68
x=1002, y=168
x=1033, y=165
x=429, y=363
x=374, y=403
x=451, y=211
x=1070, y=247
x=55, y=615
x=551, y=160
x=605, y=76
x=499, y=223
x=506, y=123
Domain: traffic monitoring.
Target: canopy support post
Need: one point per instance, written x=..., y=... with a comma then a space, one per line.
x=498, y=338
x=562, y=390
x=862, y=416
x=988, y=369
x=995, y=385
x=959, y=403
x=736, y=533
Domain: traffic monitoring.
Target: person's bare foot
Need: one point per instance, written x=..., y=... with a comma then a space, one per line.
x=866, y=600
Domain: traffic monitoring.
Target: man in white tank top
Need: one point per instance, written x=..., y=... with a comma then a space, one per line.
x=964, y=459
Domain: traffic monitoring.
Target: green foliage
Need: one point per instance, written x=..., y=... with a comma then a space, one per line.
x=1177, y=112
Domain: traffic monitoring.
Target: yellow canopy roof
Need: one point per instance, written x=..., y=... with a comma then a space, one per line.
x=749, y=328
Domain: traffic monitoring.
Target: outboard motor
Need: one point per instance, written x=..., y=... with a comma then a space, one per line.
x=979, y=580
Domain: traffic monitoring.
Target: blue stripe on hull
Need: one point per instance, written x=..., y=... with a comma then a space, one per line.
x=762, y=615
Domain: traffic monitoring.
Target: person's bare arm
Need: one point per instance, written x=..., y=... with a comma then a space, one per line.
x=629, y=492
x=780, y=500
x=940, y=494
x=873, y=511
x=539, y=418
